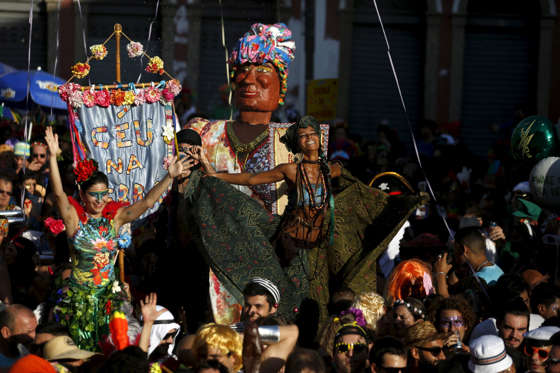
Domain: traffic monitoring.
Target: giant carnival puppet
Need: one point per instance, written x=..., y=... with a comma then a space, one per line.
x=329, y=228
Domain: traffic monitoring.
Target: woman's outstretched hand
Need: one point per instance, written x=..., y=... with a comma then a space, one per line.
x=180, y=167
x=52, y=141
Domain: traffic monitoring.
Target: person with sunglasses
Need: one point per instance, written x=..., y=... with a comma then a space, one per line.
x=553, y=362
x=351, y=349
x=537, y=347
x=39, y=156
x=425, y=347
x=92, y=295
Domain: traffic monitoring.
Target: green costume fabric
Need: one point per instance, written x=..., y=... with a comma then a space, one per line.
x=235, y=233
x=366, y=220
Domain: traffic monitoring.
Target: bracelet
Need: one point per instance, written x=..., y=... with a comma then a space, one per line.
x=441, y=273
x=269, y=333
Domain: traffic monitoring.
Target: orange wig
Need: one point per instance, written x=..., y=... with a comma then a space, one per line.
x=411, y=278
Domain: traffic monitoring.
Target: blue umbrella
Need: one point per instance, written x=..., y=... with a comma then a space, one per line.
x=42, y=87
x=6, y=68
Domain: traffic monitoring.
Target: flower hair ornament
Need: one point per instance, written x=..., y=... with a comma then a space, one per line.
x=358, y=315
x=84, y=169
x=413, y=309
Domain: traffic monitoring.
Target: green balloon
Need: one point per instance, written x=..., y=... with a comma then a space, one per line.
x=533, y=139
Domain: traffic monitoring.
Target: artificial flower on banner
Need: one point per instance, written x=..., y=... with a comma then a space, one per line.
x=80, y=70
x=98, y=51
x=134, y=49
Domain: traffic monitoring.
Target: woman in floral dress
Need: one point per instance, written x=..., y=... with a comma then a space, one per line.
x=93, y=295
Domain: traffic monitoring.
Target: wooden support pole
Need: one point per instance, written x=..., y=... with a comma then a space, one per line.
x=121, y=265
x=118, y=30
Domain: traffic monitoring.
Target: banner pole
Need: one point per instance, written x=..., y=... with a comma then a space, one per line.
x=118, y=30
x=121, y=265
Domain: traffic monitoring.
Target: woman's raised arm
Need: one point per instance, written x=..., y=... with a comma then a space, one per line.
x=67, y=211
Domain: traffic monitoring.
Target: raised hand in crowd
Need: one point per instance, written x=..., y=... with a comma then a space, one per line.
x=149, y=315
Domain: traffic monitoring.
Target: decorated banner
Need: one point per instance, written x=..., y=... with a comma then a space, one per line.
x=129, y=133
x=128, y=144
x=128, y=129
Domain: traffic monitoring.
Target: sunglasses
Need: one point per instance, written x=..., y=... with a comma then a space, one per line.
x=456, y=322
x=5, y=192
x=552, y=361
x=531, y=350
x=435, y=351
x=345, y=347
x=99, y=195
x=35, y=155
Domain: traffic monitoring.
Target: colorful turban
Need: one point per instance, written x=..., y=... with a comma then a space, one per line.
x=266, y=43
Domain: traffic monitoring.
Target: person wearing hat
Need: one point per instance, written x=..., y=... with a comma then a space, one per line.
x=488, y=355
x=538, y=347
x=425, y=347
x=351, y=349
x=62, y=349
x=261, y=299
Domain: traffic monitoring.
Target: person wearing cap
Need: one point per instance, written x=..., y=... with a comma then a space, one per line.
x=553, y=362
x=425, y=347
x=261, y=299
x=537, y=347
x=488, y=355
x=351, y=349
x=63, y=350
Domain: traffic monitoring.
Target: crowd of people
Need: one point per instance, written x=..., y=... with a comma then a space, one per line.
x=357, y=270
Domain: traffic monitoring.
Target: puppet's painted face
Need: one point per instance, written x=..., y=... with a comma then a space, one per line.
x=257, y=87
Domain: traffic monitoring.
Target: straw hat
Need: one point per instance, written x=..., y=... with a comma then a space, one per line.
x=64, y=348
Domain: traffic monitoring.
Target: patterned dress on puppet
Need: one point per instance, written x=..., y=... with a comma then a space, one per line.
x=226, y=153
x=92, y=295
x=235, y=234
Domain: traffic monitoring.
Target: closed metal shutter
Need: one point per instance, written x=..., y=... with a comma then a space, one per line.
x=373, y=95
x=14, y=38
x=499, y=74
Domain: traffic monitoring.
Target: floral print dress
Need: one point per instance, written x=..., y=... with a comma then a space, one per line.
x=92, y=292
